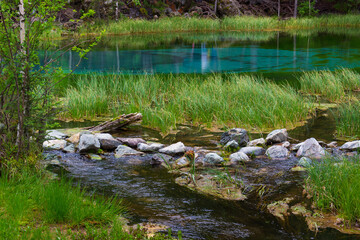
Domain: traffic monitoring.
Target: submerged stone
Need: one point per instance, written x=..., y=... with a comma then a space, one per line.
x=238, y=134
x=160, y=158
x=123, y=150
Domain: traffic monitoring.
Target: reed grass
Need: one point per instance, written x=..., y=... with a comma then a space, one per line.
x=335, y=185
x=333, y=86
x=347, y=118
x=166, y=100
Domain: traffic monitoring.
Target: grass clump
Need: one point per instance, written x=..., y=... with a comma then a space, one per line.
x=333, y=86
x=335, y=185
x=165, y=100
x=347, y=119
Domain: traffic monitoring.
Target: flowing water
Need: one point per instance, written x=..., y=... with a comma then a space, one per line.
x=150, y=192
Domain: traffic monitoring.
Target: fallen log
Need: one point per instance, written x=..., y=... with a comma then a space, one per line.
x=117, y=123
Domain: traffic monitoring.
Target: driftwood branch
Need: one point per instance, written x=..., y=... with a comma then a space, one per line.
x=119, y=122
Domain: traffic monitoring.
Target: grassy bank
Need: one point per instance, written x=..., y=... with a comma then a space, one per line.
x=180, y=24
x=34, y=207
x=347, y=119
x=165, y=100
x=335, y=185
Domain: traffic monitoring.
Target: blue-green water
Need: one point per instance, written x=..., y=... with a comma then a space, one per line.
x=225, y=52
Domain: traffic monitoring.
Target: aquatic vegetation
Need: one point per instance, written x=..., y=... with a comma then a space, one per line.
x=347, y=118
x=333, y=86
x=335, y=184
x=166, y=100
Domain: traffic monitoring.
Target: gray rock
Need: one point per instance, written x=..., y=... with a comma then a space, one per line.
x=311, y=149
x=152, y=147
x=277, y=136
x=351, y=146
x=174, y=149
x=286, y=144
x=213, y=159
x=54, y=134
x=256, y=142
x=296, y=146
x=238, y=134
x=253, y=151
x=277, y=152
x=332, y=145
x=74, y=138
x=54, y=144
x=231, y=145
x=238, y=157
x=108, y=144
x=131, y=142
x=181, y=162
x=101, y=136
x=70, y=148
x=159, y=158
x=304, y=162
x=88, y=143
x=123, y=150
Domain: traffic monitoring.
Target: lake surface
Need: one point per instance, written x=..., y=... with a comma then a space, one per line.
x=264, y=52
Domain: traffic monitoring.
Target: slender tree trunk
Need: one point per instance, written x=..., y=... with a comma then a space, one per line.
x=216, y=3
x=117, y=10
x=295, y=8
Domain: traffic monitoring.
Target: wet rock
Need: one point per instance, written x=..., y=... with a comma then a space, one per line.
x=299, y=209
x=277, y=152
x=74, y=138
x=152, y=147
x=101, y=136
x=131, y=142
x=88, y=143
x=285, y=144
x=69, y=149
x=95, y=157
x=181, y=162
x=213, y=159
x=238, y=134
x=256, y=142
x=311, y=148
x=304, y=162
x=160, y=158
x=296, y=146
x=332, y=145
x=238, y=157
x=280, y=209
x=231, y=145
x=351, y=146
x=54, y=134
x=298, y=169
x=123, y=150
x=54, y=144
x=174, y=149
x=107, y=142
x=253, y=151
x=277, y=136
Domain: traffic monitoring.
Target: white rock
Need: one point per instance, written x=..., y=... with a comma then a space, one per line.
x=88, y=143
x=277, y=136
x=351, y=146
x=173, y=149
x=104, y=136
x=256, y=142
x=54, y=144
x=54, y=134
x=238, y=157
x=311, y=149
x=123, y=150
x=152, y=147
x=212, y=159
x=277, y=152
x=253, y=151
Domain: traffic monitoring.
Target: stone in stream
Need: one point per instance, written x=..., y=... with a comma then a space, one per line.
x=107, y=142
x=152, y=147
x=181, y=162
x=231, y=145
x=88, y=143
x=332, y=145
x=122, y=151
x=75, y=138
x=174, y=149
x=256, y=142
x=54, y=144
x=277, y=136
x=351, y=146
x=212, y=159
x=304, y=162
x=253, y=151
x=70, y=148
x=54, y=134
x=238, y=157
x=311, y=149
x=131, y=142
x=238, y=134
x=286, y=144
x=296, y=146
x=159, y=158
x=277, y=152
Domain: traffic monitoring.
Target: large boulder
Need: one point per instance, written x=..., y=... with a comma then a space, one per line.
x=277, y=136
x=88, y=143
x=57, y=144
x=107, y=142
x=253, y=151
x=152, y=147
x=311, y=149
x=238, y=134
x=351, y=146
x=277, y=152
x=174, y=149
x=131, y=142
x=54, y=134
x=238, y=157
x=122, y=151
x=212, y=159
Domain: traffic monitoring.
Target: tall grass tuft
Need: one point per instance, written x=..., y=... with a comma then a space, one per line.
x=165, y=100
x=333, y=86
x=335, y=185
x=347, y=119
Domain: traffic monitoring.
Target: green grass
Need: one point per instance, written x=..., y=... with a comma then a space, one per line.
x=347, y=118
x=166, y=100
x=333, y=86
x=34, y=207
x=335, y=185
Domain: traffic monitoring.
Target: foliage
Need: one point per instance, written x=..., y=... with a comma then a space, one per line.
x=307, y=8
x=335, y=184
x=347, y=118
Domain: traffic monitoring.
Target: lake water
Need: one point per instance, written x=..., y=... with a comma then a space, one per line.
x=264, y=52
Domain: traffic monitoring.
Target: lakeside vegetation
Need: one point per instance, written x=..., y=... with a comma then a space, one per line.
x=347, y=118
